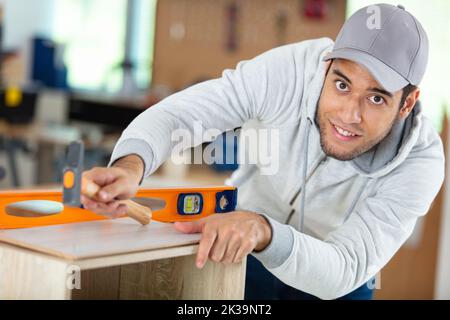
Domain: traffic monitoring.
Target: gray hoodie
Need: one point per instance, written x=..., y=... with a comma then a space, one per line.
x=335, y=224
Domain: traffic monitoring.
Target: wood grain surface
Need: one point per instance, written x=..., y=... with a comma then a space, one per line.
x=98, y=238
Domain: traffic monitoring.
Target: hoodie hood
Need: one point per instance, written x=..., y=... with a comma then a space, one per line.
x=393, y=150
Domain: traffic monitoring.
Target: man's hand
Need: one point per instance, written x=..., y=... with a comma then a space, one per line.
x=120, y=182
x=229, y=238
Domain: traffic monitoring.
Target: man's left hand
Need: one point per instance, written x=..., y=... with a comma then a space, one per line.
x=228, y=238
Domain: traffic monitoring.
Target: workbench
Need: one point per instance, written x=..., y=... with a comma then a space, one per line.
x=111, y=259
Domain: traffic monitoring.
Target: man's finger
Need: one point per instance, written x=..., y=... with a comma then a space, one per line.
x=188, y=227
x=232, y=249
x=109, y=207
x=243, y=252
x=111, y=211
x=100, y=176
x=219, y=248
x=122, y=210
x=88, y=204
x=111, y=191
x=206, y=243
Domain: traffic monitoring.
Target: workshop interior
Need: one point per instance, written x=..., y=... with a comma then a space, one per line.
x=74, y=74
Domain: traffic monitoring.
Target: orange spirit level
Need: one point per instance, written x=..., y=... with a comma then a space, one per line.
x=168, y=205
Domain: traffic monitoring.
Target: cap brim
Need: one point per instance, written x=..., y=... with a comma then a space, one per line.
x=388, y=78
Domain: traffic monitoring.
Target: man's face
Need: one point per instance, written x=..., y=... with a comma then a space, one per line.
x=354, y=112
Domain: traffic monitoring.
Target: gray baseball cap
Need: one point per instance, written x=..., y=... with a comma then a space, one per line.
x=388, y=41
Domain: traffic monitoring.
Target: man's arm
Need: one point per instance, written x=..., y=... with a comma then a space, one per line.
x=268, y=88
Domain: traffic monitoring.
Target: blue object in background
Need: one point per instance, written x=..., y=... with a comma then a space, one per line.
x=48, y=67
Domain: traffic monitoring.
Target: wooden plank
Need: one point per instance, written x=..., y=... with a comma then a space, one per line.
x=178, y=278
x=98, y=239
x=136, y=257
x=26, y=275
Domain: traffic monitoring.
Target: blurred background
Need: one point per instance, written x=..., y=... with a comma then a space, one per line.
x=84, y=69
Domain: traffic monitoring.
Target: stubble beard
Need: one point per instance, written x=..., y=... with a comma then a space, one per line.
x=330, y=151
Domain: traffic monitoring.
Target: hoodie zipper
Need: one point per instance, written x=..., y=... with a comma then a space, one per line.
x=321, y=161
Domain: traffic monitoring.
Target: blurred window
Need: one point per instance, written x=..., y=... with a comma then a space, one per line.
x=94, y=33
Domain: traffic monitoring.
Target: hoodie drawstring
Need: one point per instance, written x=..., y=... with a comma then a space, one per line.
x=304, y=174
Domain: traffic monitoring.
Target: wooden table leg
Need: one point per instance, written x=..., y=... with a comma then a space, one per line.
x=25, y=275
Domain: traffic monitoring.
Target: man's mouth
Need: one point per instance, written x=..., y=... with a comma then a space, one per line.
x=343, y=134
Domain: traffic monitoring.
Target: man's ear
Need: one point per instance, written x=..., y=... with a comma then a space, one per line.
x=409, y=104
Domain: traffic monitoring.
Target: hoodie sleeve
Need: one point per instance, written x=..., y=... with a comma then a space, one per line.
x=355, y=252
x=262, y=88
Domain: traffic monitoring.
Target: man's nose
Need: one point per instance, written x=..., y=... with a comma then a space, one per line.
x=351, y=113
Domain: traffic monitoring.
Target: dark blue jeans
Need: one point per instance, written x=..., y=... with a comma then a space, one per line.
x=260, y=284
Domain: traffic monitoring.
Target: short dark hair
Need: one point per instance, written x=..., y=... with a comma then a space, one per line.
x=406, y=91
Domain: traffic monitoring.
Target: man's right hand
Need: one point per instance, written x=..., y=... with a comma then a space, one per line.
x=119, y=182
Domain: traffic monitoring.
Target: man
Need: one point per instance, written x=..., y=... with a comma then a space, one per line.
x=359, y=163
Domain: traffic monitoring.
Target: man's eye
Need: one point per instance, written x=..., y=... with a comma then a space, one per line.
x=377, y=100
x=341, y=86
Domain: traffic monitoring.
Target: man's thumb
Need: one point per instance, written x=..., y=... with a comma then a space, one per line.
x=188, y=227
